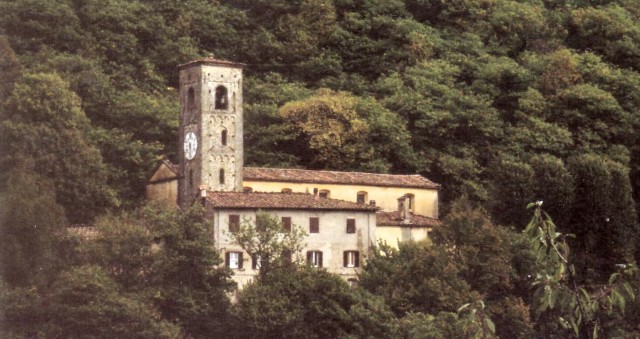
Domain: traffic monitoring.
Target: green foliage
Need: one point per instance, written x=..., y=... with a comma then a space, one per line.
x=31, y=227
x=502, y=101
x=602, y=216
x=43, y=120
x=167, y=259
x=9, y=68
x=416, y=278
x=191, y=285
x=340, y=131
x=266, y=239
x=81, y=302
x=559, y=303
x=304, y=302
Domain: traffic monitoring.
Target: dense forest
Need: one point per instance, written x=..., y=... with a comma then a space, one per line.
x=502, y=102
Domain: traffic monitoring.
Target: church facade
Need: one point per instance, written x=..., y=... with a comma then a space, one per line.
x=344, y=213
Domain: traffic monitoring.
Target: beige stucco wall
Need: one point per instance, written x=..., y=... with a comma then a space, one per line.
x=332, y=238
x=393, y=235
x=385, y=197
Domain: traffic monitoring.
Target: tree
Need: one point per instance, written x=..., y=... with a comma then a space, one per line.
x=31, y=226
x=189, y=284
x=10, y=69
x=416, y=278
x=43, y=119
x=603, y=216
x=339, y=130
x=167, y=259
x=266, y=239
x=562, y=306
x=85, y=301
x=305, y=302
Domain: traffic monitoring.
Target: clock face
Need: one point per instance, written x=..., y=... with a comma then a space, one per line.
x=190, y=145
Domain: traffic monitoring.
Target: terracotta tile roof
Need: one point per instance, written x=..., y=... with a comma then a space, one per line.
x=264, y=200
x=212, y=61
x=173, y=167
x=334, y=177
x=416, y=220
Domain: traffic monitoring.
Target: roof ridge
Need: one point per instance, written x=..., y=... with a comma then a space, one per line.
x=330, y=171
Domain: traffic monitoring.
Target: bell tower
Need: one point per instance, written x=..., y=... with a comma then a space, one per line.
x=211, y=146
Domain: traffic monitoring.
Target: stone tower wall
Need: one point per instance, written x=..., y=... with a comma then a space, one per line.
x=204, y=114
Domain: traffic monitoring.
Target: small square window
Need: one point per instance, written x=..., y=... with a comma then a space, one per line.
x=351, y=225
x=233, y=260
x=351, y=259
x=314, y=258
x=361, y=198
x=234, y=223
x=314, y=225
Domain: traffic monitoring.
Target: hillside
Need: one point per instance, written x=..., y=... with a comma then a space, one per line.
x=501, y=102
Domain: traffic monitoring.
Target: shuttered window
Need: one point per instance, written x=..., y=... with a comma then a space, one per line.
x=256, y=262
x=314, y=225
x=351, y=259
x=234, y=223
x=314, y=258
x=286, y=224
x=233, y=260
x=351, y=225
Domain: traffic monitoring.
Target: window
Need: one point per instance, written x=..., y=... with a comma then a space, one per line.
x=223, y=137
x=361, y=197
x=256, y=262
x=314, y=225
x=247, y=189
x=191, y=99
x=324, y=193
x=286, y=190
x=221, y=98
x=286, y=224
x=314, y=258
x=351, y=225
x=221, y=176
x=261, y=224
x=351, y=259
x=233, y=260
x=234, y=223
x=287, y=257
x=190, y=178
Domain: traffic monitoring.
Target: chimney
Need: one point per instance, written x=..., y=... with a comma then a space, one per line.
x=203, y=194
x=401, y=208
x=407, y=210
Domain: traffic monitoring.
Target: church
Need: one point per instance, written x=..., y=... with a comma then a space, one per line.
x=343, y=213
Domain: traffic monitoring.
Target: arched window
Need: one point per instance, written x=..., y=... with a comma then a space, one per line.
x=221, y=176
x=247, y=189
x=222, y=102
x=286, y=190
x=190, y=179
x=191, y=99
x=325, y=194
x=223, y=137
